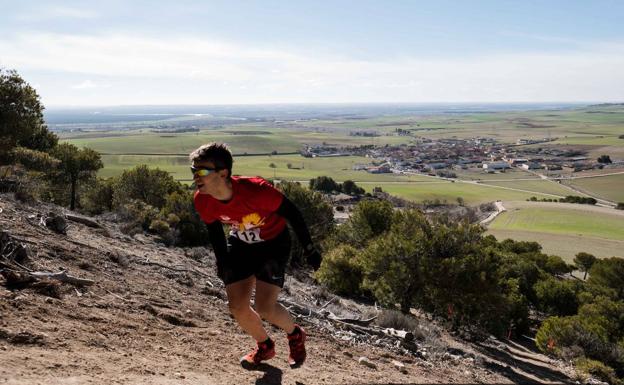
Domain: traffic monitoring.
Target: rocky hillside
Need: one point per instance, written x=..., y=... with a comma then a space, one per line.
x=125, y=309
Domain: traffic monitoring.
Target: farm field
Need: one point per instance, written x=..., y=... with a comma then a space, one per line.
x=151, y=143
x=339, y=168
x=479, y=174
x=471, y=193
x=595, y=128
x=584, y=227
x=609, y=187
x=538, y=185
x=269, y=140
x=414, y=187
x=563, y=245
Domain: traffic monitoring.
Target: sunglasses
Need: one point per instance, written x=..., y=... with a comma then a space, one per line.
x=203, y=171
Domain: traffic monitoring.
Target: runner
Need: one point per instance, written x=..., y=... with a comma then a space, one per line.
x=259, y=247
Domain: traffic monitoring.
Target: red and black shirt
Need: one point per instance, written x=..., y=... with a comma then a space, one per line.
x=251, y=213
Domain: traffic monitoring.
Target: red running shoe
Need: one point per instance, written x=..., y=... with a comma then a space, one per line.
x=296, y=342
x=264, y=351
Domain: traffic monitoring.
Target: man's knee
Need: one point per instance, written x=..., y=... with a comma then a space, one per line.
x=265, y=309
x=238, y=307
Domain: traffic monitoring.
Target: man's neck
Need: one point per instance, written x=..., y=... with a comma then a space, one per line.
x=224, y=191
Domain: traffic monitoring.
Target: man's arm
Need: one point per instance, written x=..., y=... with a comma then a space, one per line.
x=292, y=214
x=218, y=242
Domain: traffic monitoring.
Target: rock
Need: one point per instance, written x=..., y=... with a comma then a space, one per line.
x=502, y=347
x=178, y=375
x=56, y=223
x=400, y=366
x=366, y=362
x=348, y=354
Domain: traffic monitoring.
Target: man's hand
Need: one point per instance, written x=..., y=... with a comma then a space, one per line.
x=313, y=257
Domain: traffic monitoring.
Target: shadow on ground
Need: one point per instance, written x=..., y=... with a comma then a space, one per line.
x=526, y=360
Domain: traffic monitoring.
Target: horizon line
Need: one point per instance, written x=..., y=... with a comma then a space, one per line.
x=57, y=106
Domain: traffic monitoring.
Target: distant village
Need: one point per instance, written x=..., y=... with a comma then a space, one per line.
x=440, y=157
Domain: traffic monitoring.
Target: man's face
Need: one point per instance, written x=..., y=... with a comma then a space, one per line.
x=206, y=177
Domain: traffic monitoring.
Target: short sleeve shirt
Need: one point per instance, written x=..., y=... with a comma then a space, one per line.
x=251, y=213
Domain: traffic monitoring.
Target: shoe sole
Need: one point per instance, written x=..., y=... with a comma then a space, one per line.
x=252, y=365
x=296, y=365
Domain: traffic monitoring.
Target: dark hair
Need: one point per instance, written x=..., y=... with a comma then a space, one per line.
x=217, y=153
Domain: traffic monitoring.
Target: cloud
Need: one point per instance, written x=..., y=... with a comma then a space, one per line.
x=192, y=70
x=54, y=13
x=89, y=84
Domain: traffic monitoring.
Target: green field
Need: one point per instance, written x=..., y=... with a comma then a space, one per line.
x=609, y=187
x=449, y=191
x=539, y=185
x=479, y=174
x=596, y=128
x=339, y=168
x=273, y=140
x=585, y=228
x=151, y=143
x=564, y=245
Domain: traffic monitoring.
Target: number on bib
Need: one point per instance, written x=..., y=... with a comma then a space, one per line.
x=247, y=236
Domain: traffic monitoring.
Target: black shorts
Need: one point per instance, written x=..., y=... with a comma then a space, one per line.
x=265, y=260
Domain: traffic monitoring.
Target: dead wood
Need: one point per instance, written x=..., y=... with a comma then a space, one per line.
x=355, y=321
x=402, y=334
x=84, y=220
x=63, y=277
x=176, y=269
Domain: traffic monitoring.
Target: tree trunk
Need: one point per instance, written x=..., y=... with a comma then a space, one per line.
x=72, y=204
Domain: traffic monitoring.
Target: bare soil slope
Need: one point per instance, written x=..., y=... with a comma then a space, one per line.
x=158, y=315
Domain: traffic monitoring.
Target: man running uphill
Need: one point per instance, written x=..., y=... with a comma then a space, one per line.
x=259, y=247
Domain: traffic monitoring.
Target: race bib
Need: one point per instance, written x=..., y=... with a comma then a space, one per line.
x=247, y=236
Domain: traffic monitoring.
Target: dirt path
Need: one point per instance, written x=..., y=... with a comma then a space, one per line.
x=499, y=209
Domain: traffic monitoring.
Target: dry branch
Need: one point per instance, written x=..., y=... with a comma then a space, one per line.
x=354, y=321
x=176, y=269
x=84, y=220
x=63, y=277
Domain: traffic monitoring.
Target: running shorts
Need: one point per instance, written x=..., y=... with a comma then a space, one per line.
x=265, y=260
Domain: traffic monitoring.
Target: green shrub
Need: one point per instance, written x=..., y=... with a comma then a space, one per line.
x=555, y=265
x=317, y=213
x=159, y=227
x=145, y=184
x=340, y=272
x=166, y=234
x=97, y=197
x=324, y=184
x=138, y=216
x=556, y=333
x=180, y=214
x=556, y=297
x=33, y=159
x=608, y=273
x=597, y=369
x=369, y=219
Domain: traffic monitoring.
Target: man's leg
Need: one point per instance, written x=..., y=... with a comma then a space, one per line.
x=269, y=309
x=239, y=296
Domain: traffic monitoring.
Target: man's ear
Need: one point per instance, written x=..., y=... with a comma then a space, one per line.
x=223, y=173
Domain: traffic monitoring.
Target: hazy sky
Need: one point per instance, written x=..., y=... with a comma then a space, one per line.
x=232, y=52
